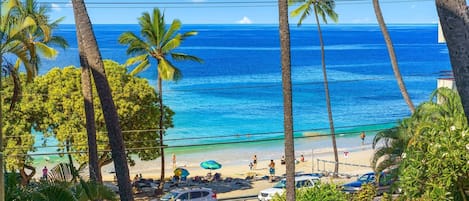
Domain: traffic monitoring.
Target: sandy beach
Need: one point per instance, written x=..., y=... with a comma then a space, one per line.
x=237, y=167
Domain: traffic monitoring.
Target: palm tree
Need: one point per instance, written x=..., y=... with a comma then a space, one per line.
x=453, y=20
x=93, y=160
x=284, y=30
x=92, y=57
x=392, y=55
x=158, y=42
x=37, y=38
x=10, y=43
x=321, y=8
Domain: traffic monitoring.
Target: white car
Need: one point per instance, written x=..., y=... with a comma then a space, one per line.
x=279, y=188
x=190, y=194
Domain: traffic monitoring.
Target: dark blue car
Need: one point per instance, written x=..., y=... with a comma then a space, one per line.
x=384, y=185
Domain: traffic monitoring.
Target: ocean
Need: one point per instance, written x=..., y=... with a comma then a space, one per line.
x=236, y=96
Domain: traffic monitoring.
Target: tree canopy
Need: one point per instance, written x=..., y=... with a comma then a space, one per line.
x=53, y=105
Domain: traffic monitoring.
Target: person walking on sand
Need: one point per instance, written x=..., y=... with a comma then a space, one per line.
x=254, y=161
x=272, y=170
x=362, y=136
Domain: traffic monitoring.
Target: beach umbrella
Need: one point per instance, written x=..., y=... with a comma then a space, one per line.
x=210, y=164
x=181, y=172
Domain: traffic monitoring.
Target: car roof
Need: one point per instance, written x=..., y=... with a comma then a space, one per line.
x=301, y=178
x=186, y=189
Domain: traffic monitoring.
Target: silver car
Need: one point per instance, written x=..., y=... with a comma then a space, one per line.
x=190, y=194
x=279, y=188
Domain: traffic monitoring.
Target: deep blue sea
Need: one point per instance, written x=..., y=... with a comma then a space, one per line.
x=236, y=94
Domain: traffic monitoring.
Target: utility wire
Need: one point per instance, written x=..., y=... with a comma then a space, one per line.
x=197, y=145
x=248, y=135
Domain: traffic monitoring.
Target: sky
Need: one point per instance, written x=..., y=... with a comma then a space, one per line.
x=241, y=11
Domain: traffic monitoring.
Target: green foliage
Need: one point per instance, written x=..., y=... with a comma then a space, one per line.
x=323, y=192
x=366, y=193
x=435, y=162
x=136, y=102
x=157, y=41
x=90, y=190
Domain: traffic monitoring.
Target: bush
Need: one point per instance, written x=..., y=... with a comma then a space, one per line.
x=323, y=192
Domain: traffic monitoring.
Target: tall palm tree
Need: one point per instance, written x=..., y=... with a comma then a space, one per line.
x=321, y=8
x=10, y=43
x=284, y=29
x=392, y=55
x=93, y=160
x=94, y=60
x=158, y=42
x=454, y=22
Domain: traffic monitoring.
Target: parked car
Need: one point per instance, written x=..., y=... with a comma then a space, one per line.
x=385, y=182
x=279, y=188
x=190, y=194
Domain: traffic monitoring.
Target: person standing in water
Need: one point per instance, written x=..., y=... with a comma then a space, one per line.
x=362, y=136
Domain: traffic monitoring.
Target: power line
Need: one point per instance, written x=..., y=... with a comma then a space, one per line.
x=198, y=145
x=247, y=135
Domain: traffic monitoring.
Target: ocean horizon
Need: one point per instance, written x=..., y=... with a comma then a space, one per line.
x=235, y=95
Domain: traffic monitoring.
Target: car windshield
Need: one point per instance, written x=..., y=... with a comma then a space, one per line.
x=366, y=178
x=281, y=184
x=169, y=195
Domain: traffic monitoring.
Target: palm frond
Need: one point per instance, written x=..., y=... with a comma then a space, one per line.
x=175, y=27
x=45, y=50
x=304, y=10
x=167, y=71
x=171, y=44
x=185, y=57
x=144, y=64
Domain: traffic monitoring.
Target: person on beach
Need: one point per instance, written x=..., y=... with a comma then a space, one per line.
x=44, y=172
x=282, y=161
x=302, y=158
x=362, y=136
x=250, y=165
x=254, y=161
x=272, y=170
x=174, y=161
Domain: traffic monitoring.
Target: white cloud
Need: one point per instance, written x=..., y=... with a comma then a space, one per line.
x=55, y=7
x=245, y=20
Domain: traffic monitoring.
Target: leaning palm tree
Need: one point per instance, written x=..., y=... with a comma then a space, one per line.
x=321, y=8
x=10, y=43
x=392, y=56
x=92, y=58
x=158, y=42
x=284, y=29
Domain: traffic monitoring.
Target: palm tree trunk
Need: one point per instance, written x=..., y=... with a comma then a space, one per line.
x=328, y=99
x=2, y=176
x=95, y=173
x=93, y=58
x=454, y=21
x=284, y=30
x=392, y=55
x=161, y=131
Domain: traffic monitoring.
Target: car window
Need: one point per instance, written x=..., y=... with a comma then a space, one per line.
x=184, y=197
x=205, y=193
x=169, y=195
x=195, y=194
x=308, y=183
x=363, y=178
x=300, y=184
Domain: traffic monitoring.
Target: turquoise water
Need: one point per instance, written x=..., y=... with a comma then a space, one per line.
x=235, y=95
